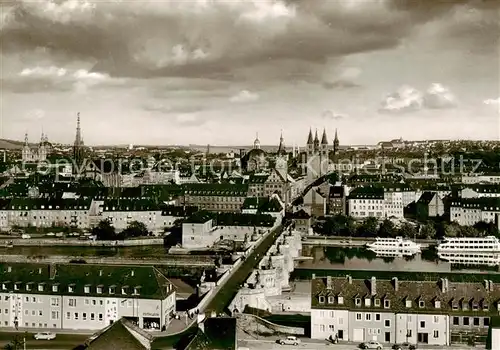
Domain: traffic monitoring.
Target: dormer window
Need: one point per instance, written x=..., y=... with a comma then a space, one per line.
x=331, y=299
x=124, y=290
x=55, y=288
x=40, y=287
x=340, y=300
x=71, y=288
x=475, y=305
x=368, y=302
x=485, y=306
x=86, y=289
x=408, y=303
x=387, y=303
x=99, y=289
x=437, y=304
x=137, y=290
x=454, y=305
x=28, y=286
x=16, y=286
x=357, y=301
x=465, y=305
x=112, y=290
x=376, y=302
x=4, y=286
x=421, y=304
x=322, y=299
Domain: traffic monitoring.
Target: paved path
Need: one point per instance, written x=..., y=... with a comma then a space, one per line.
x=62, y=341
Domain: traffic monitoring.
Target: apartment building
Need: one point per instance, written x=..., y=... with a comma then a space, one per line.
x=86, y=297
x=481, y=178
x=215, y=197
x=480, y=190
x=469, y=211
x=265, y=185
x=397, y=311
x=41, y=212
x=366, y=201
x=337, y=200
x=121, y=212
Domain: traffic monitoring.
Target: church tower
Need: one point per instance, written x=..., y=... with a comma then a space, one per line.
x=335, y=144
x=26, y=152
x=256, y=143
x=42, y=149
x=78, y=145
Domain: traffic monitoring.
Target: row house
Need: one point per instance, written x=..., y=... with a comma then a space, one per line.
x=337, y=200
x=398, y=311
x=215, y=197
x=40, y=212
x=469, y=211
x=121, y=212
x=480, y=190
x=366, y=201
x=265, y=205
x=491, y=177
x=84, y=297
x=265, y=185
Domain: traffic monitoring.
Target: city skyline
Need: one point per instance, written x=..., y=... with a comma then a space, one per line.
x=146, y=74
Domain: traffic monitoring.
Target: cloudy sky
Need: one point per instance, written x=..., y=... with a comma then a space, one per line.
x=209, y=71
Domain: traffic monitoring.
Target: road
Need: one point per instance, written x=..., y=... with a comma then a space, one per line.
x=220, y=300
x=62, y=341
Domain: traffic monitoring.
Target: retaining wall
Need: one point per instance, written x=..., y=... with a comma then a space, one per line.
x=48, y=242
x=254, y=323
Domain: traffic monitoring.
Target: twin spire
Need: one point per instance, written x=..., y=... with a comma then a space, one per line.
x=324, y=138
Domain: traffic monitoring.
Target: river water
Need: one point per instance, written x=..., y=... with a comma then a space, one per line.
x=359, y=258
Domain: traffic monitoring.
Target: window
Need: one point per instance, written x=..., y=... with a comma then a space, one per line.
x=368, y=302
x=99, y=290
x=76, y=315
x=476, y=321
x=437, y=304
x=86, y=302
x=112, y=290
x=436, y=334
x=436, y=319
x=368, y=317
x=124, y=290
x=68, y=315
x=28, y=286
x=322, y=299
x=72, y=302
x=387, y=303
x=408, y=333
x=330, y=298
x=54, y=302
x=55, y=288
x=422, y=324
x=40, y=313
x=16, y=286
x=71, y=289
x=84, y=316
x=40, y=287
x=421, y=304
x=92, y=316
x=377, y=302
x=86, y=289
x=456, y=321
x=322, y=327
x=341, y=300
x=466, y=321
x=486, y=321
x=358, y=316
x=358, y=301
x=100, y=317
x=387, y=323
x=408, y=303
x=377, y=317
x=54, y=315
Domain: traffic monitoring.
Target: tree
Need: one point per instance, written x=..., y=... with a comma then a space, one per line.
x=407, y=230
x=369, y=227
x=427, y=231
x=104, y=231
x=451, y=230
x=468, y=231
x=387, y=229
x=135, y=229
x=16, y=344
x=487, y=228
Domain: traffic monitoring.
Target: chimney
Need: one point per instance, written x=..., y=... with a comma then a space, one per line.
x=444, y=285
x=373, y=285
x=447, y=284
x=349, y=278
x=329, y=284
x=490, y=284
x=396, y=283
x=487, y=285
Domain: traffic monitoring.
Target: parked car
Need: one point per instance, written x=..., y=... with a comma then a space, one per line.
x=290, y=340
x=404, y=346
x=25, y=236
x=45, y=336
x=371, y=345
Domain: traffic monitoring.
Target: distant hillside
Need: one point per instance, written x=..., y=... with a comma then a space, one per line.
x=10, y=144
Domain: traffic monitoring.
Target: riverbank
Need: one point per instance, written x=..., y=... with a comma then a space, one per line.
x=74, y=242
x=353, y=241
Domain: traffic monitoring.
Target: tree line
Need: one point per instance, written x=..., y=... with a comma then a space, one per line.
x=341, y=225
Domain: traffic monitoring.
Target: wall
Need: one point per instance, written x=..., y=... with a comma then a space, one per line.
x=254, y=323
x=47, y=242
x=371, y=326
x=431, y=324
x=326, y=323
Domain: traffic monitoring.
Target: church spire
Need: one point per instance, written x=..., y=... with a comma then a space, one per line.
x=78, y=146
x=324, y=139
x=336, y=143
x=310, y=137
x=281, y=148
x=256, y=143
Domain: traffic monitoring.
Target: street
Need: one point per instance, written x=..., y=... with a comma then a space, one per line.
x=62, y=341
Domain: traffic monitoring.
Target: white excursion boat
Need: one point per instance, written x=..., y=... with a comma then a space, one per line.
x=470, y=250
x=393, y=247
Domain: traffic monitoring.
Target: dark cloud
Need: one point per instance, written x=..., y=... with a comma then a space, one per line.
x=193, y=39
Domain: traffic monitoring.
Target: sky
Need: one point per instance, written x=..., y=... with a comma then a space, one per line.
x=220, y=72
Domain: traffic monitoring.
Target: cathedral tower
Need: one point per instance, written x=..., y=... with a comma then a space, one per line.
x=336, y=144
x=78, y=145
